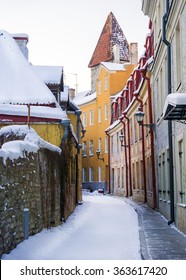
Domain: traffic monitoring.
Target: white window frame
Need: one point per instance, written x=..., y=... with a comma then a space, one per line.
x=84, y=174
x=84, y=148
x=99, y=114
x=99, y=173
x=91, y=174
x=106, y=112
x=106, y=82
x=84, y=119
x=91, y=148
x=91, y=117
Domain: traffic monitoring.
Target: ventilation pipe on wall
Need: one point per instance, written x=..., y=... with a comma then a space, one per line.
x=171, y=168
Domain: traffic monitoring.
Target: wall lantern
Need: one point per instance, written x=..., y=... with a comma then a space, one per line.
x=140, y=116
x=83, y=131
x=121, y=138
x=98, y=154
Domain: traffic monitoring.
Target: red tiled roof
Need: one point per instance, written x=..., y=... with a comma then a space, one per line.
x=111, y=35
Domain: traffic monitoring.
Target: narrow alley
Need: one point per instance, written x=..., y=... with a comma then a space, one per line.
x=102, y=228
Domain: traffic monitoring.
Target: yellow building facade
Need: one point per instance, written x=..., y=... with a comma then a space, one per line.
x=96, y=116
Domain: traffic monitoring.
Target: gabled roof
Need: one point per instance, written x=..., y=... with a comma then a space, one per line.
x=20, y=87
x=84, y=97
x=18, y=82
x=111, y=35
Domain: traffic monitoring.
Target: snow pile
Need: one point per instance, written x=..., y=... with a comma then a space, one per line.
x=19, y=148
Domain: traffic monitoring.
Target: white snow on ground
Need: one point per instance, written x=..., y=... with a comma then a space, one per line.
x=102, y=228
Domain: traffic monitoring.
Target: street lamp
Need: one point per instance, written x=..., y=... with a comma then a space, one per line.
x=140, y=116
x=121, y=138
x=98, y=154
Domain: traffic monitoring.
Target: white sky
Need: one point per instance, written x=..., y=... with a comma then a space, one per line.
x=65, y=33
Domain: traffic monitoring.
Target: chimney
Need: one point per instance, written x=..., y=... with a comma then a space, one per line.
x=116, y=53
x=133, y=53
x=22, y=40
x=71, y=92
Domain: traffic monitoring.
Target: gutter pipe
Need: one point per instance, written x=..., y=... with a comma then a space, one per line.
x=66, y=124
x=125, y=153
x=109, y=183
x=143, y=151
x=129, y=147
x=151, y=140
x=78, y=114
x=171, y=168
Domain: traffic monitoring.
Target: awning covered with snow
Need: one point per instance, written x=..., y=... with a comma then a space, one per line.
x=175, y=107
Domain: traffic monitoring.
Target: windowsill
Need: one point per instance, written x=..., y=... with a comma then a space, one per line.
x=182, y=205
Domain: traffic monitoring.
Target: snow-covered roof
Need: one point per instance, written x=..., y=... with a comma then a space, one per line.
x=20, y=36
x=84, y=97
x=65, y=94
x=49, y=74
x=113, y=125
x=18, y=82
x=35, y=111
x=175, y=107
x=113, y=66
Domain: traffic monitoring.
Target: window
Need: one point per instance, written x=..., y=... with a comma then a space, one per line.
x=91, y=174
x=178, y=57
x=182, y=172
x=122, y=178
x=100, y=144
x=91, y=148
x=163, y=175
x=91, y=118
x=106, y=112
x=99, y=173
x=112, y=144
x=106, y=144
x=133, y=177
x=84, y=149
x=119, y=178
x=84, y=119
x=159, y=177
x=99, y=114
x=106, y=82
x=118, y=142
x=84, y=175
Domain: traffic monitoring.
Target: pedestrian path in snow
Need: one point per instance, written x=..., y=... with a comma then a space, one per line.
x=102, y=228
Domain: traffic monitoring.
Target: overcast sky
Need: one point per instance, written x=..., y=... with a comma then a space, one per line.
x=65, y=32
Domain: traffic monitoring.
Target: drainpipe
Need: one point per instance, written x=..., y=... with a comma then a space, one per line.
x=66, y=124
x=125, y=153
x=129, y=166
x=108, y=161
x=143, y=152
x=78, y=113
x=151, y=138
x=171, y=168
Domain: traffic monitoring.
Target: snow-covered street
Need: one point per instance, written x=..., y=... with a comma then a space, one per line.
x=102, y=228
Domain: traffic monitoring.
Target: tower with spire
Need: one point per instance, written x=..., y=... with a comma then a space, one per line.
x=112, y=46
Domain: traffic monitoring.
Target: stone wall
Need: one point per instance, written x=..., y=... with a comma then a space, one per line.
x=37, y=182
